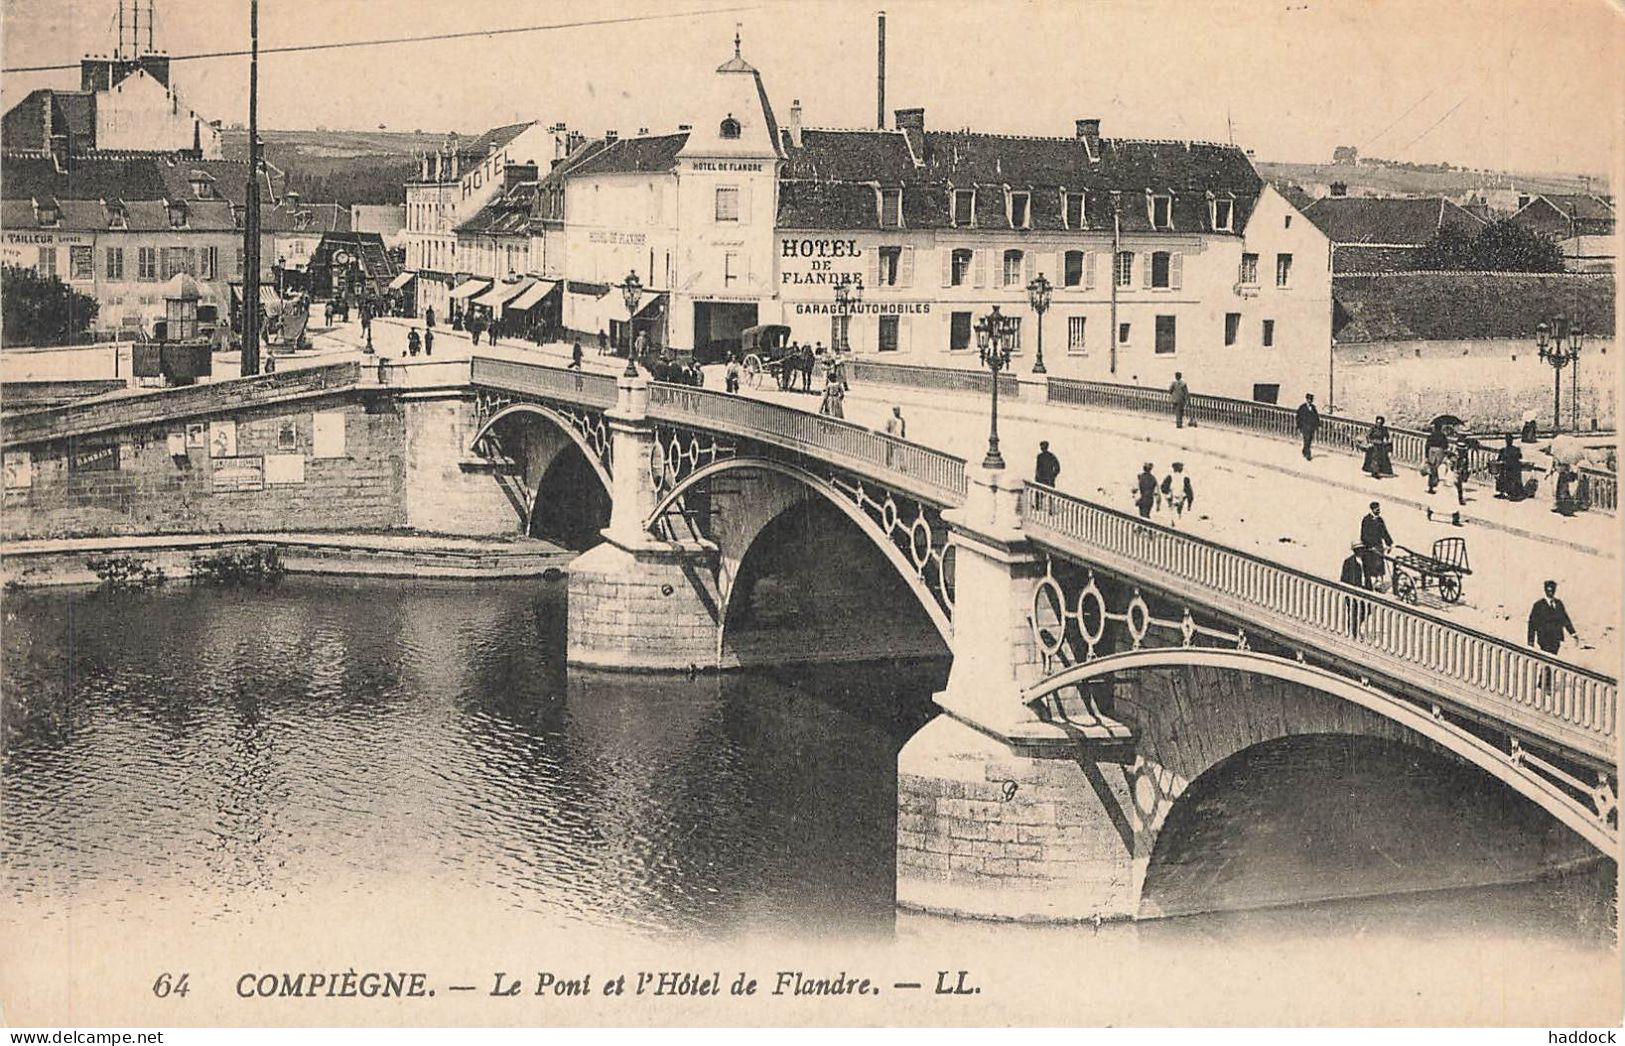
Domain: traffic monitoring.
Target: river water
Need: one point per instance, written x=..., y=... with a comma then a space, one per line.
x=198, y=761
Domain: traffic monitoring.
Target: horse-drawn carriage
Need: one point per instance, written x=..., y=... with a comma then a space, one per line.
x=765, y=348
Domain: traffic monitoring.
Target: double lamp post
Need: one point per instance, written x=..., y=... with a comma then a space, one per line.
x=996, y=336
x=1559, y=345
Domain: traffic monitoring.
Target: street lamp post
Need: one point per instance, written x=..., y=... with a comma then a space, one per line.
x=1559, y=346
x=847, y=295
x=631, y=290
x=1039, y=293
x=993, y=340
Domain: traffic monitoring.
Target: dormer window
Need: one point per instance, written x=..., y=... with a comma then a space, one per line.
x=1223, y=214
x=964, y=207
x=117, y=216
x=202, y=185
x=48, y=213
x=1072, y=207
x=1160, y=210
x=177, y=214
x=729, y=127
x=891, y=208
x=1020, y=210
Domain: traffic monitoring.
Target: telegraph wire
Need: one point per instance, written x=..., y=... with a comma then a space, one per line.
x=386, y=41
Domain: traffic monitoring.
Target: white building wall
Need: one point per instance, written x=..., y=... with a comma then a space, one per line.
x=141, y=113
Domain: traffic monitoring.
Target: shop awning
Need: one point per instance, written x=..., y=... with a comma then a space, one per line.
x=268, y=295
x=615, y=304
x=533, y=295
x=469, y=288
x=501, y=294
x=402, y=280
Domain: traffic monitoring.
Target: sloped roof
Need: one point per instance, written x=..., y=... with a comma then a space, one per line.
x=306, y=217
x=496, y=137
x=1386, y=220
x=507, y=213
x=139, y=177
x=72, y=113
x=1450, y=306
x=823, y=176
x=1580, y=206
x=649, y=153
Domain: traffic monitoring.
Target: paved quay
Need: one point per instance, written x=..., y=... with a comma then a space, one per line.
x=1253, y=493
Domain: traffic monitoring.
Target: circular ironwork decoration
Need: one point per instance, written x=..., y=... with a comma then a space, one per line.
x=920, y=532
x=1091, y=614
x=1049, y=617
x=945, y=571
x=1138, y=619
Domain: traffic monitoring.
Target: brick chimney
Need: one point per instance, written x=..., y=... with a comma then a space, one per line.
x=611, y=136
x=912, y=123
x=795, y=123
x=1088, y=130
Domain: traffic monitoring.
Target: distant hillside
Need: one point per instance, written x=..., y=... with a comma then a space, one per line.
x=343, y=167
x=1415, y=180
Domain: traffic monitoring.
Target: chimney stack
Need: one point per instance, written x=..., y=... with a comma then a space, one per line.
x=912, y=123
x=880, y=81
x=795, y=123
x=610, y=136
x=1089, y=130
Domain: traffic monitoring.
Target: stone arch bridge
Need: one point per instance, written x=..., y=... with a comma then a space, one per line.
x=1101, y=664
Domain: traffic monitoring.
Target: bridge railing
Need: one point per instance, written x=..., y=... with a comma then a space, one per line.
x=1409, y=445
x=927, y=473
x=584, y=388
x=78, y=419
x=416, y=374
x=1571, y=706
x=914, y=376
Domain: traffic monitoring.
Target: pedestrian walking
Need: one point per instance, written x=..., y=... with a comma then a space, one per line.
x=1564, y=501
x=1376, y=540
x=1437, y=447
x=1177, y=492
x=428, y=341
x=1509, y=471
x=575, y=355
x=1308, y=423
x=413, y=342
x=804, y=363
x=834, y=396
x=270, y=363
x=1180, y=393
x=895, y=425
x=1379, y=443
x=1145, y=491
x=1462, y=466
x=1047, y=467
x=1354, y=576
x=731, y=376
x=603, y=342
x=428, y=317
x=787, y=366
x=1548, y=620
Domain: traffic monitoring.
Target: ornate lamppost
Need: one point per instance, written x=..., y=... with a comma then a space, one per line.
x=847, y=295
x=631, y=290
x=1039, y=292
x=993, y=333
x=1550, y=339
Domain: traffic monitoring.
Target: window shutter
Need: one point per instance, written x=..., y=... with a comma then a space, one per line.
x=981, y=267
x=1089, y=270
x=744, y=204
x=874, y=266
x=947, y=266
x=905, y=332
x=1145, y=272
x=1057, y=272
x=1029, y=261
x=905, y=276
x=1176, y=269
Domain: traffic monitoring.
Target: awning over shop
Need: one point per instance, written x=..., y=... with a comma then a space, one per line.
x=402, y=280
x=615, y=305
x=469, y=288
x=268, y=296
x=533, y=295
x=501, y=294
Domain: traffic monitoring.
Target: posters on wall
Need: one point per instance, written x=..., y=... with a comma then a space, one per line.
x=238, y=474
x=222, y=439
x=287, y=435
x=283, y=470
x=197, y=435
x=177, y=444
x=327, y=435
x=19, y=469
x=98, y=457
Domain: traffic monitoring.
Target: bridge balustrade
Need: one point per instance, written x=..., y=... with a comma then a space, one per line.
x=573, y=386
x=928, y=473
x=1478, y=673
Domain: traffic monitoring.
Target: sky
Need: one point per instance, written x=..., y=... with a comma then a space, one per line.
x=1524, y=85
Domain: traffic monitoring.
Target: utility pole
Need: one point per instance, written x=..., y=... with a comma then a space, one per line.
x=251, y=205
x=1117, y=246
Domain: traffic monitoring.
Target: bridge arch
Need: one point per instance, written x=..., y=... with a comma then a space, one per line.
x=1166, y=766
x=563, y=489
x=787, y=487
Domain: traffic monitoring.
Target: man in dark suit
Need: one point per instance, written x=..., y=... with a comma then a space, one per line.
x=1548, y=620
x=1048, y=465
x=1377, y=541
x=1308, y=423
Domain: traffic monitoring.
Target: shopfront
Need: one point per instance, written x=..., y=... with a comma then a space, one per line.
x=718, y=325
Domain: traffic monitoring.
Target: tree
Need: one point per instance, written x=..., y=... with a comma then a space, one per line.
x=1505, y=246
x=41, y=310
x=1501, y=246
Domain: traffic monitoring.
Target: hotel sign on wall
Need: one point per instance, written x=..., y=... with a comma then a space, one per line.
x=819, y=262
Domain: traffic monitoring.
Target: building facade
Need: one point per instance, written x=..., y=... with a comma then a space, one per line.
x=123, y=103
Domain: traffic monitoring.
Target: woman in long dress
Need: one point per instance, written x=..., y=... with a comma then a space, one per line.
x=1378, y=444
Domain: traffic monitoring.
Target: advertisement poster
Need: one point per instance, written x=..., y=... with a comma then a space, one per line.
x=222, y=439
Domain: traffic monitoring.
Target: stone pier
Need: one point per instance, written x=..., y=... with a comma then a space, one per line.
x=635, y=602
x=999, y=815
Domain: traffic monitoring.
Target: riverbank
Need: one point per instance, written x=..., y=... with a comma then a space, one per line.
x=75, y=561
